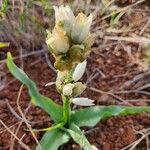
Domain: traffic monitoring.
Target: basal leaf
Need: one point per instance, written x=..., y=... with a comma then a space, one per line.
x=79, y=137
x=92, y=115
x=52, y=140
x=53, y=109
x=134, y=110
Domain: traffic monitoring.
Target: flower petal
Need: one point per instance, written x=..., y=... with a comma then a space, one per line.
x=81, y=28
x=68, y=89
x=50, y=83
x=64, y=17
x=94, y=147
x=79, y=87
x=86, y=30
x=79, y=71
x=58, y=41
x=82, y=101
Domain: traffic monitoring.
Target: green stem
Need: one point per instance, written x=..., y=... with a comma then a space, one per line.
x=59, y=125
x=66, y=116
x=66, y=109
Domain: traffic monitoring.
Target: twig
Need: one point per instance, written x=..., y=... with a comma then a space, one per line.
x=26, y=55
x=17, y=130
x=12, y=143
x=20, y=142
x=144, y=87
x=120, y=10
x=148, y=22
x=132, y=91
x=49, y=62
x=134, y=144
x=3, y=130
x=24, y=118
x=13, y=111
x=111, y=94
x=129, y=39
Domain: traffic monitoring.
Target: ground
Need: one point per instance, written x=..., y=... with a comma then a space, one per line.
x=115, y=75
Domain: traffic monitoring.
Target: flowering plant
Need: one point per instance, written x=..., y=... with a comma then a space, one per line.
x=70, y=43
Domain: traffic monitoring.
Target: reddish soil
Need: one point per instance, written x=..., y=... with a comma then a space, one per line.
x=114, y=133
x=117, y=73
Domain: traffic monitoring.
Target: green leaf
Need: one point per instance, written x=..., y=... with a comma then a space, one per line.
x=52, y=140
x=91, y=116
x=4, y=6
x=2, y=45
x=79, y=137
x=116, y=17
x=47, y=7
x=53, y=109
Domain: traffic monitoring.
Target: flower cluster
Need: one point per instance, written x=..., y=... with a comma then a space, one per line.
x=67, y=84
x=70, y=40
x=70, y=43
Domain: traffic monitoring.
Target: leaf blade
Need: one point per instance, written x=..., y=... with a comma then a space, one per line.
x=79, y=137
x=92, y=115
x=53, y=109
x=52, y=140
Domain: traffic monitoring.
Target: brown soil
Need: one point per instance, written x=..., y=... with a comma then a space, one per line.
x=117, y=73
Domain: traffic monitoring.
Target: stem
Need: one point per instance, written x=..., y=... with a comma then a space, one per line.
x=66, y=109
x=66, y=116
x=59, y=125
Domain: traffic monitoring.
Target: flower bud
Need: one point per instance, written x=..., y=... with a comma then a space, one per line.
x=79, y=71
x=64, y=18
x=78, y=88
x=82, y=101
x=81, y=28
x=68, y=89
x=59, y=80
x=58, y=41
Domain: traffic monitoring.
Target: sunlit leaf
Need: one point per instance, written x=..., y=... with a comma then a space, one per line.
x=79, y=137
x=53, y=109
x=92, y=115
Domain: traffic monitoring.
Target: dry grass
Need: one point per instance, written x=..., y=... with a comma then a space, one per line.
x=124, y=34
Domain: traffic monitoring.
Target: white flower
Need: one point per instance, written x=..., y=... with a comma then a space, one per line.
x=79, y=71
x=78, y=88
x=61, y=75
x=60, y=79
x=81, y=27
x=94, y=147
x=82, y=101
x=64, y=17
x=68, y=89
x=58, y=41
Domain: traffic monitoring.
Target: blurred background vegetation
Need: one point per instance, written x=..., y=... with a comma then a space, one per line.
x=23, y=23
